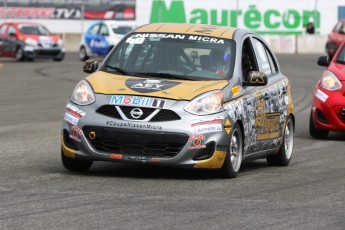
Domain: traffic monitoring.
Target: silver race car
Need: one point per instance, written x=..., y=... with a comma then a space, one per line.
x=185, y=95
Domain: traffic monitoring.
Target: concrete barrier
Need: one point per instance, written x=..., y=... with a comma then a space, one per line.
x=288, y=44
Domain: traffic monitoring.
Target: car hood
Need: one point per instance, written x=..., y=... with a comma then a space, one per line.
x=106, y=83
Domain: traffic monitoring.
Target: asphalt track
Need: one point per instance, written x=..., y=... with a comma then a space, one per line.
x=36, y=192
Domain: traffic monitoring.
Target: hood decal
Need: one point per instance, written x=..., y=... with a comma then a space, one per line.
x=149, y=85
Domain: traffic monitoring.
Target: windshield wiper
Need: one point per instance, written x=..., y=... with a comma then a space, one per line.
x=117, y=69
x=166, y=75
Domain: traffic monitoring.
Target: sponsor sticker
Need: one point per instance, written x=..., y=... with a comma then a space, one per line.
x=71, y=119
x=137, y=101
x=197, y=140
x=209, y=128
x=133, y=125
x=236, y=90
x=149, y=85
x=75, y=133
x=207, y=121
x=74, y=110
x=321, y=95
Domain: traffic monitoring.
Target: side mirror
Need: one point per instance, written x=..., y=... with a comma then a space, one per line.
x=13, y=34
x=323, y=61
x=90, y=66
x=256, y=78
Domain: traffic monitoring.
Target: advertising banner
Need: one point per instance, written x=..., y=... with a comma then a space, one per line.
x=68, y=9
x=278, y=17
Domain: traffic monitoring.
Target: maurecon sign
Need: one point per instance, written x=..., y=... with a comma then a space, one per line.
x=282, y=17
x=277, y=21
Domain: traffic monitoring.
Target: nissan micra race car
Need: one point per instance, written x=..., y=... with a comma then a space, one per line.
x=185, y=95
x=328, y=107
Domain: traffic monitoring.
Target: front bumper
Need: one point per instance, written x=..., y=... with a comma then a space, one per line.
x=40, y=52
x=328, y=110
x=183, y=142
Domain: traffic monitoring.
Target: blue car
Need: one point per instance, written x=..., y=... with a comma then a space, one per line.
x=101, y=37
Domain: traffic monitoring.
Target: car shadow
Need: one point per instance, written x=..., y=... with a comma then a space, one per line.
x=141, y=171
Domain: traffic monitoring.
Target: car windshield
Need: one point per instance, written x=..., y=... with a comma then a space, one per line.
x=122, y=30
x=180, y=56
x=33, y=30
x=341, y=56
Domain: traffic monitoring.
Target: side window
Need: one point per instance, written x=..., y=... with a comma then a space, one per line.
x=248, y=59
x=262, y=58
x=104, y=30
x=94, y=29
x=273, y=64
x=11, y=29
x=3, y=29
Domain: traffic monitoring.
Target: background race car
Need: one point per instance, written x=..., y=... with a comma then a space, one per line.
x=328, y=109
x=27, y=41
x=101, y=37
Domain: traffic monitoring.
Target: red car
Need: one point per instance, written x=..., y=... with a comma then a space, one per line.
x=335, y=38
x=328, y=111
x=27, y=41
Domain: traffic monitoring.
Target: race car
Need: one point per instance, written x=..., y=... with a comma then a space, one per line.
x=101, y=37
x=188, y=95
x=335, y=38
x=28, y=41
x=328, y=108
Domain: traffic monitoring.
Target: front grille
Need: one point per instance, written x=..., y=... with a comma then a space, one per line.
x=137, y=142
x=162, y=115
x=110, y=111
x=48, y=52
x=166, y=115
x=127, y=111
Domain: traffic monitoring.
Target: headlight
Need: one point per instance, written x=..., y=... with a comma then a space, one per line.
x=329, y=81
x=31, y=42
x=83, y=94
x=208, y=103
x=60, y=43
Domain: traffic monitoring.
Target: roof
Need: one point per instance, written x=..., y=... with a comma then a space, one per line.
x=196, y=29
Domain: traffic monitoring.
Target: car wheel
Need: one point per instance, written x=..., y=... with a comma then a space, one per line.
x=234, y=155
x=315, y=132
x=82, y=54
x=74, y=164
x=283, y=157
x=19, y=54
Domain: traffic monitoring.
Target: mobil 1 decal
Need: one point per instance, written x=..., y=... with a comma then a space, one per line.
x=149, y=85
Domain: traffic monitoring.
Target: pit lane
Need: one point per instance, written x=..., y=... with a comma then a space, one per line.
x=36, y=192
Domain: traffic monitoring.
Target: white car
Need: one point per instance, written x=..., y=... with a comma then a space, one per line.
x=101, y=37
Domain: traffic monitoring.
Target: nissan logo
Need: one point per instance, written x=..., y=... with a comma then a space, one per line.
x=136, y=113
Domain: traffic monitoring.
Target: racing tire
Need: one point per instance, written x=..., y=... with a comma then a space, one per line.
x=234, y=155
x=74, y=164
x=283, y=156
x=315, y=132
x=19, y=54
x=83, y=54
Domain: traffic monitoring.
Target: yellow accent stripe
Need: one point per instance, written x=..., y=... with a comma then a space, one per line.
x=68, y=152
x=112, y=84
x=194, y=29
x=265, y=136
x=215, y=162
